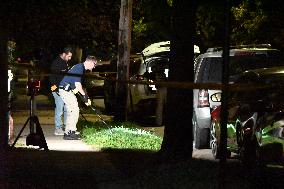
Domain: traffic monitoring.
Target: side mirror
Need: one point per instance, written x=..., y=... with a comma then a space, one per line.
x=216, y=97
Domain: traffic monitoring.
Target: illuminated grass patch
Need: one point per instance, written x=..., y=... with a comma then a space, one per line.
x=121, y=136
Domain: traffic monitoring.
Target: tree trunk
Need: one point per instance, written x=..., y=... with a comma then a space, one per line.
x=78, y=54
x=178, y=136
x=124, y=44
x=4, y=123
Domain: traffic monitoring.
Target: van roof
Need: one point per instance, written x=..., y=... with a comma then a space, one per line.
x=163, y=46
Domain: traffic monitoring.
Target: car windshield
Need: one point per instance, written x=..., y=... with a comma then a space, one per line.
x=240, y=63
x=271, y=82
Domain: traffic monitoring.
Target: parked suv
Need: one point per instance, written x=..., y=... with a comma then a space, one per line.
x=208, y=69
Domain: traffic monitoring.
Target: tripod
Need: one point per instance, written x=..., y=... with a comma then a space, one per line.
x=36, y=136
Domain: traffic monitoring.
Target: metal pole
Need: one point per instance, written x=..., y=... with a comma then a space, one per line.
x=32, y=113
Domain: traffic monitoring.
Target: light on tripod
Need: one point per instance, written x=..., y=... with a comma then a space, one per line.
x=33, y=87
x=36, y=136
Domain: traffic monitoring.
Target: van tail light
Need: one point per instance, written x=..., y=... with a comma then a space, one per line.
x=139, y=77
x=215, y=114
x=203, y=98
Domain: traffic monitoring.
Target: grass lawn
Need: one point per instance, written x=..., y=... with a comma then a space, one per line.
x=119, y=136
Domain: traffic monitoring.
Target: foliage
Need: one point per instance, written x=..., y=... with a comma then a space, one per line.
x=271, y=139
x=247, y=24
x=263, y=22
x=139, y=28
x=122, y=136
x=91, y=25
x=151, y=23
x=268, y=137
x=11, y=50
x=209, y=26
x=257, y=21
x=170, y=2
x=272, y=28
x=11, y=46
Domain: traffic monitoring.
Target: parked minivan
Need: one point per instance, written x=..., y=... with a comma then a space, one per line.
x=154, y=67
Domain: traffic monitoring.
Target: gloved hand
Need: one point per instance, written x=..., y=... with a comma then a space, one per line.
x=89, y=103
x=87, y=100
x=53, y=88
x=75, y=91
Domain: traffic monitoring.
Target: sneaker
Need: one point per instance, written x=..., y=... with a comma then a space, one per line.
x=71, y=135
x=59, y=131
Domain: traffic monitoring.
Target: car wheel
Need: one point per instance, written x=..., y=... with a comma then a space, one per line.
x=239, y=133
x=214, y=143
x=201, y=136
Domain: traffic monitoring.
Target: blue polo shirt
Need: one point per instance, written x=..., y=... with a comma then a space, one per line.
x=78, y=70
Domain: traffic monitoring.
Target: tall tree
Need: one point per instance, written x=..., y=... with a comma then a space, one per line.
x=4, y=86
x=89, y=24
x=209, y=24
x=124, y=44
x=259, y=21
x=178, y=137
x=151, y=23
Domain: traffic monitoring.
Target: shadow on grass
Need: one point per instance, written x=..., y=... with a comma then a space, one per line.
x=146, y=169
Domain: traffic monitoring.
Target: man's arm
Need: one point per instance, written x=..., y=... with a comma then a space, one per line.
x=58, y=68
x=53, y=77
x=80, y=89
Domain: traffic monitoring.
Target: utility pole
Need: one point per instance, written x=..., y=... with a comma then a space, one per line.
x=4, y=123
x=225, y=95
x=124, y=45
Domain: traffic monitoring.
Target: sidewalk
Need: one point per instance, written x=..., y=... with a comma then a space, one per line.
x=45, y=114
x=54, y=143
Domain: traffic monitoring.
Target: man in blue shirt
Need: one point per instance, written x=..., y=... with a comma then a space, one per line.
x=68, y=87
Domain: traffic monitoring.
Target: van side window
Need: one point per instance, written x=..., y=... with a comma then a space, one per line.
x=200, y=71
x=215, y=72
x=210, y=70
